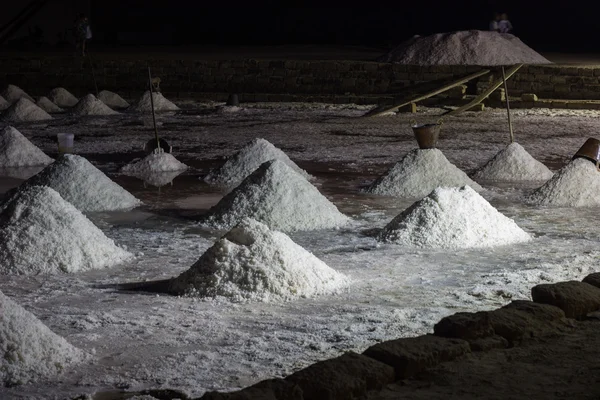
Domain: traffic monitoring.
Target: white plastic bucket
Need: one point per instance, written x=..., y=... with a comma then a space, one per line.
x=65, y=142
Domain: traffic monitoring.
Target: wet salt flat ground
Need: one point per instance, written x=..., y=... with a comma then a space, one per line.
x=144, y=340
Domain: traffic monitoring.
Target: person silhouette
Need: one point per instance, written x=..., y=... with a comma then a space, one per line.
x=504, y=25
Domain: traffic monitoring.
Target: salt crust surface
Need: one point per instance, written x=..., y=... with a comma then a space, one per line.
x=253, y=263
x=161, y=162
x=577, y=184
x=279, y=197
x=112, y=99
x=160, y=103
x=245, y=161
x=90, y=105
x=3, y=103
x=453, y=218
x=83, y=185
x=513, y=163
x=464, y=48
x=62, y=97
x=17, y=151
x=47, y=105
x=13, y=93
x=24, y=110
x=28, y=349
x=418, y=173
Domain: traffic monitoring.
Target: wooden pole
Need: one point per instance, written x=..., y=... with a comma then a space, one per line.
x=510, y=128
x=152, y=106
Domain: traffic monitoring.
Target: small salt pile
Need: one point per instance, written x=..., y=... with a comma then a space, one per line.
x=62, y=97
x=23, y=110
x=47, y=105
x=13, y=93
x=160, y=103
x=112, y=99
x=17, y=151
x=41, y=233
x=155, y=162
x=453, y=218
x=29, y=350
x=253, y=263
x=577, y=184
x=3, y=104
x=281, y=198
x=513, y=163
x=158, y=179
x=83, y=185
x=418, y=173
x=90, y=105
x=245, y=161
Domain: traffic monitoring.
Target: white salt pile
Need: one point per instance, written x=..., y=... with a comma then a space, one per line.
x=23, y=110
x=112, y=99
x=418, y=173
x=17, y=151
x=13, y=93
x=47, y=105
x=464, y=48
x=513, y=163
x=575, y=185
x=29, y=351
x=83, y=185
x=253, y=263
x=90, y=105
x=281, y=198
x=160, y=103
x=158, y=179
x=62, y=97
x=3, y=104
x=453, y=218
x=155, y=162
x=245, y=161
x=42, y=233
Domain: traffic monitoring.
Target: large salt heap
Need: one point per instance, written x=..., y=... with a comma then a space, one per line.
x=42, y=233
x=152, y=163
x=513, y=163
x=17, y=151
x=29, y=351
x=24, y=110
x=452, y=218
x=62, y=97
x=112, y=99
x=13, y=93
x=253, y=263
x=47, y=105
x=464, y=48
x=418, y=173
x=575, y=185
x=281, y=198
x=90, y=105
x=83, y=185
x=160, y=103
x=245, y=161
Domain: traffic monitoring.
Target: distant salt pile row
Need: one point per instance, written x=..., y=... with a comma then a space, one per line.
x=62, y=97
x=154, y=163
x=418, y=173
x=279, y=197
x=248, y=159
x=47, y=105
x=29, y=351
x=513, y=163
x=42, y=233
x=160, y=103
x=453, y=218
x=90, y=105
x=13, y=93
x=112, y=99
x=17, y=151
x=464, y=48
x=24, y=110
x=575, y=185
x=253, y=263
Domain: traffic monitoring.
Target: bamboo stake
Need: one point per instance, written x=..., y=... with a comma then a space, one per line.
x=510, y=128
x=152, y=106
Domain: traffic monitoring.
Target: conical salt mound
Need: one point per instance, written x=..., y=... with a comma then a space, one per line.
x=158, y=179
x=17, y=151
x=513, y=163
x=23, y=110
x=13, y=93
x=62, y=97
x=253, y=263
x=83, y=185
x=160, y=103
x=47, y=105
x=90, y=105
x=279, y=197
x=464, y=48
x=418, y=173
x=112, y=99
x=575, y=185
x=42, y=233
x=29, y=351
x=453, y=218
x=3, y=104
x=155, y=162
x=245, y=161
